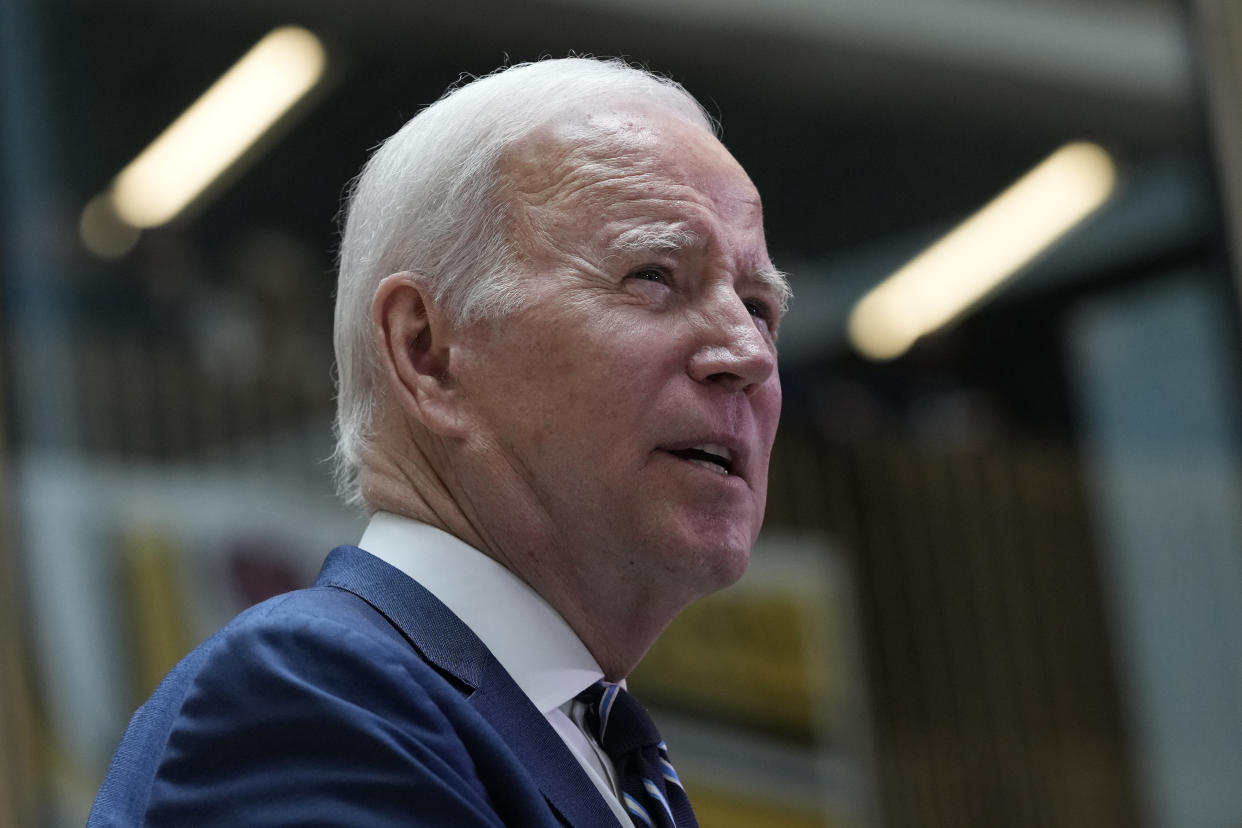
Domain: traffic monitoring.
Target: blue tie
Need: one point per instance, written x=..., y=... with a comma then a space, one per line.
x=650, y=790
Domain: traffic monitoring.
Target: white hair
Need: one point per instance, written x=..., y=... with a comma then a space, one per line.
x=429, y=201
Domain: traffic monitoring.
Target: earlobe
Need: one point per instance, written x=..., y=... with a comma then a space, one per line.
x=413, y=343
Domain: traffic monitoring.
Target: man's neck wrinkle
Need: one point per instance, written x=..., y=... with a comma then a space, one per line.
x=405, y=483
x=618, y=635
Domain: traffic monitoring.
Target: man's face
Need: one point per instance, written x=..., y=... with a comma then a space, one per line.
x=626, y=413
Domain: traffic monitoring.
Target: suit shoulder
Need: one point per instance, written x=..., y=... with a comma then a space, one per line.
x=324, y=635
x=307, y=684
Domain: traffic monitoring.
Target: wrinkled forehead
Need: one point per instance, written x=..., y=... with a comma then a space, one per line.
x=590, y=158
x=619, y=122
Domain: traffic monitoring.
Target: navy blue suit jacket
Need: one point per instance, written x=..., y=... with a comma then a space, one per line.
x=361, y=701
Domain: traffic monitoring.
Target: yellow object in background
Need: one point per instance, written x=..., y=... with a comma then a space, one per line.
x=721, y=809
x=740, y=657
x=158, y=623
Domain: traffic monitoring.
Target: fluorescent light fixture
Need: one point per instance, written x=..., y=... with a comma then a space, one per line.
x=979, y=255
x=218, y=128
x=102, y=231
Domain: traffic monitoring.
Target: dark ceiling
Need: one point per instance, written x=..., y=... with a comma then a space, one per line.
x=850, y=144
x=836, y=169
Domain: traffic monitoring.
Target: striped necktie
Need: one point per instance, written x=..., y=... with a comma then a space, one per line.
x=650, y=790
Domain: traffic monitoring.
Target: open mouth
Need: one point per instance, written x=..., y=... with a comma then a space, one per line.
x=709, y=455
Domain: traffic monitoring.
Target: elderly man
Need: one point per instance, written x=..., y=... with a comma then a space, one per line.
x=555, y=335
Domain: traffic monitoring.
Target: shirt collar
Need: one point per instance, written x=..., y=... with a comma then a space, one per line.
x=527, y=636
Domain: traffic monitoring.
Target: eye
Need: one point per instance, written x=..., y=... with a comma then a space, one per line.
x=765, y=318
x=759, y=310
x=651, y=274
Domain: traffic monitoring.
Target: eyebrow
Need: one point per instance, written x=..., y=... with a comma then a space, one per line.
x=776, y=281
x=655, y=239
x=671, y=239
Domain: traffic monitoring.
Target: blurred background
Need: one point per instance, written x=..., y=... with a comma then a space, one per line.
x=1000, y=581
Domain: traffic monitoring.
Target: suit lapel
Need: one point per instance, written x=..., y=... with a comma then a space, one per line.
x=447, y=643
x=559, y=775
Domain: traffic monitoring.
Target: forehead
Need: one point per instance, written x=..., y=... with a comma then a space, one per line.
x=598, y=173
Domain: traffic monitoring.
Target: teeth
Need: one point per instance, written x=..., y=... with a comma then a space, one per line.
x=716, y=449
x=708, y=455
x=716, y=467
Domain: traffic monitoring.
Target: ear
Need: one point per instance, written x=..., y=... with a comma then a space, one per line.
x=413, y=341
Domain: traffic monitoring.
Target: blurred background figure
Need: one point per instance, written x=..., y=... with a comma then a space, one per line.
x=1000, y=582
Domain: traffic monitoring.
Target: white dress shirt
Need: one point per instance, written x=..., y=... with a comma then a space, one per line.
x=534, y=644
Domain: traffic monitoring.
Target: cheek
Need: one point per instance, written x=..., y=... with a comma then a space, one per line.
x=608, y=377
x=573, y=403
x=768, y=409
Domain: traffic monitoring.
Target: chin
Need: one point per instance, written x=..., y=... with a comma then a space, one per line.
x=703, y=551
x=722, y=561
x=732, y=568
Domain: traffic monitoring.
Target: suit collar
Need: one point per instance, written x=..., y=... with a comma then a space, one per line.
x=447, y=643
x=437, y=634
x=529, y=638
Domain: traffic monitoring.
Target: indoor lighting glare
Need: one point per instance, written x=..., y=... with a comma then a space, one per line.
x=103, y=232
x=979, y=255
x=218, y=128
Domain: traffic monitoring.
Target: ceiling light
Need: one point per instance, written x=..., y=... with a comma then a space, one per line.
x=210, y=136
x=102, y=231
x=979, y=255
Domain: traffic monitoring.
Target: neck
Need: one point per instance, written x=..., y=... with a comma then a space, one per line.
x=617, y=639
x=615, y=614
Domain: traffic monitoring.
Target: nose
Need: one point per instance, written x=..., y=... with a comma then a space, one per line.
x=733, y=352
